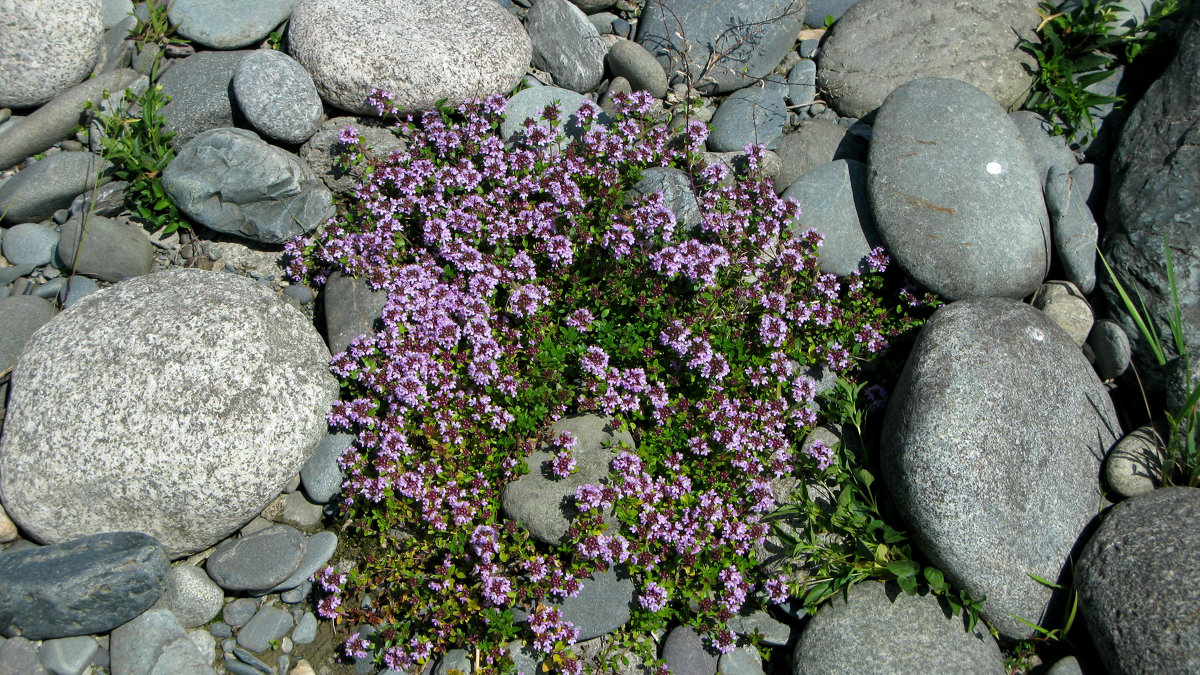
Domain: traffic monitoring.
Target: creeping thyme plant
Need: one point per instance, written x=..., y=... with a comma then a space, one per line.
x=526, y=282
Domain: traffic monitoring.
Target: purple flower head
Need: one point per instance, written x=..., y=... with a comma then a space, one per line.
x=822, y=453
x=580, y=319
x=653, y=597
x=877, y=397
x=878, y=259
x=563, y=464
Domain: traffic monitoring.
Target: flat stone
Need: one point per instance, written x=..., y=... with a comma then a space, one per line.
x=566, y=45
x=20, y=316
x=602, y=605
x=1138, y=579
x=189, y=356
x=984, y=233
x=1049, y=152
x=319, y=548
x=240, y=611
x=321, y=478
x=774, y=633
x=685, y=652
x=228, y=24
x=232, y=181
x=106, y=200
x=814, y=143
x=67, y=656
x=631, y=61
x=299, y=512
x=419, y=50
x=191, y=596
x=743, y=660
x=270, y=623
x=750, y=115
x=1066, y=306
x=1134, y=466
x=816, y=11
x=1110, y=345
x=257, y=562
x=676, y=187
x=201, y=93
x=205, y=643
x=351, y=310
x=306, y=630
x=278, y=96
x=880, y=629
x=992, y=441
x=977, y=42
x=75, y=290
x=45, y=186
x=802, y=83
x=155, y=643
x=8, y=529
x=89, y=585
x=47, y=46
x=833, y=200
x=111, y=250
x=19, y=656
x=1074, y=228
x=531, y=103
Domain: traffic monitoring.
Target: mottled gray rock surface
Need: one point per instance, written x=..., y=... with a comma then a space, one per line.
x=228, y=24
x=277, y=96
x=46, y=46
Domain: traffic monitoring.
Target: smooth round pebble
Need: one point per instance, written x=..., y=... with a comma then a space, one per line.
x=29, y=244
x=1135, y=464
x=277, y=96
x=1110, y=344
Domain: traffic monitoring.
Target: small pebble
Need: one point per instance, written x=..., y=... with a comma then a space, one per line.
x=220, y=629
x=72, y=146
x=238, y=612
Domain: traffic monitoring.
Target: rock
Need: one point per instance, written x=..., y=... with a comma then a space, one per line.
x=1155, y=177
x=684, y=652
x=676, y=187
x=1111, y=347
x=191, y=596
x=46, y=46
x=189, y=357
x=833, y=199
x=75, y=289
x=201, y=92
x=19, y=656
x=1138, y=580
x=8, y=530
x=20, y=316
x=299, y=512
x=816, y=11
x=45, y=186
x=270, y=623
x=772, y=632
x=802, y=83
x=992, y=440
x=750, y=115
x=602, y=606
x=814, y=143
x=1134, y=466
x=975, y=42
x=1049, y=152
x=239, y=612
x=321, y=150
x=531, y=103
x=205, y=643
x=877, y=628
x=155, y=643
x=631, y=61
x=619, y=85
x=1074, y=228
x=228, y=24
x=744, y=660
x=232, y=181
x=318, y=549
x=321, y=477
x=257, y=562
x=13, y=272
x=105, y=200
x=351, y=310
x=1067, y=307
x=751, y=37
x=566, y=45
x=984, y=233
x=106, y=249
x=306, y=630
x=419, y=50
x=277, y=96
x=89, y=585
x=67, y=656
x=116, y=11
x=544, y=503
x=54, y=121
x=1065, y=666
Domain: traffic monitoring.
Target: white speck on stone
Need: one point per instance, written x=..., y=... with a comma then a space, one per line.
x=1035, y=333
x=995, y=168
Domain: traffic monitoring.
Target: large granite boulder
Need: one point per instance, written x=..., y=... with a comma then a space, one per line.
x=1138, y=579
x=1155, y=195
x=955, y=192
x=972, y=41
x=992, y=444
x=418, y=50
x=46, y=46
x=176, y=404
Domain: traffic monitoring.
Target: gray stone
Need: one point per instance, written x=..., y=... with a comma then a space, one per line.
x=298, y=594
x=593, y=6
x=201, y=93
x=833, y=200
x=67, y=656
x=814, y=143
x=106, y=200
x=236, y=667
x=619, y=85
x=251, y=660
x=685, y=652
x=299, y=512
x=455, y=660
x=14, y=272
x=750, y=39
x=116, y=11
x=238, y=612
x=155, y=644
x=111, y=250
x=631, y=61
x=1065, y=666
x=1134, y=466
x=1155, y=181
x=815, y=11
x=20, y=316
x=318, y=550
x=54, y=121
x=419, y=50
x=321, y=477
x=220, y=629
x=259, y=561
x=45, y=186
x=89, y=585
x=46, y=46
x=1074, y=229
x=228, y=24
x=773, y=633
x=525, y=658
x=566, y=45
x=877, y=628
x=602, y=605
x=531, y=103
x=187, y=355
x=232, y=181
x=984, y=233
x=744, y=660
x=1138, y=580
x=191, y=596
x=205, y=643
x=544, y=503
x=992, y=442
x=277, y=96
x=1110, y=345
x=1092, y=183
x=858, y=80
x=1066, y=306
x=75, y=290
x=351, y=310
x=676, y=187
x=1049, y=152
x=322, y=150
x=116, y=49
x=802, y=83
x=306, y=630
x=51, y=288
x=603, y=22
x=750, y=115
x=270, y=623
x=19, y=657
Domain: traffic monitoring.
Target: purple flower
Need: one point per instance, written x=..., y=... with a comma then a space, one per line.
x=580, y=319
x=822, y=453
x=653, y=597
x=563, y=464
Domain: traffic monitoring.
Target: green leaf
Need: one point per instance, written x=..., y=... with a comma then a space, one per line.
x=904, y=569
